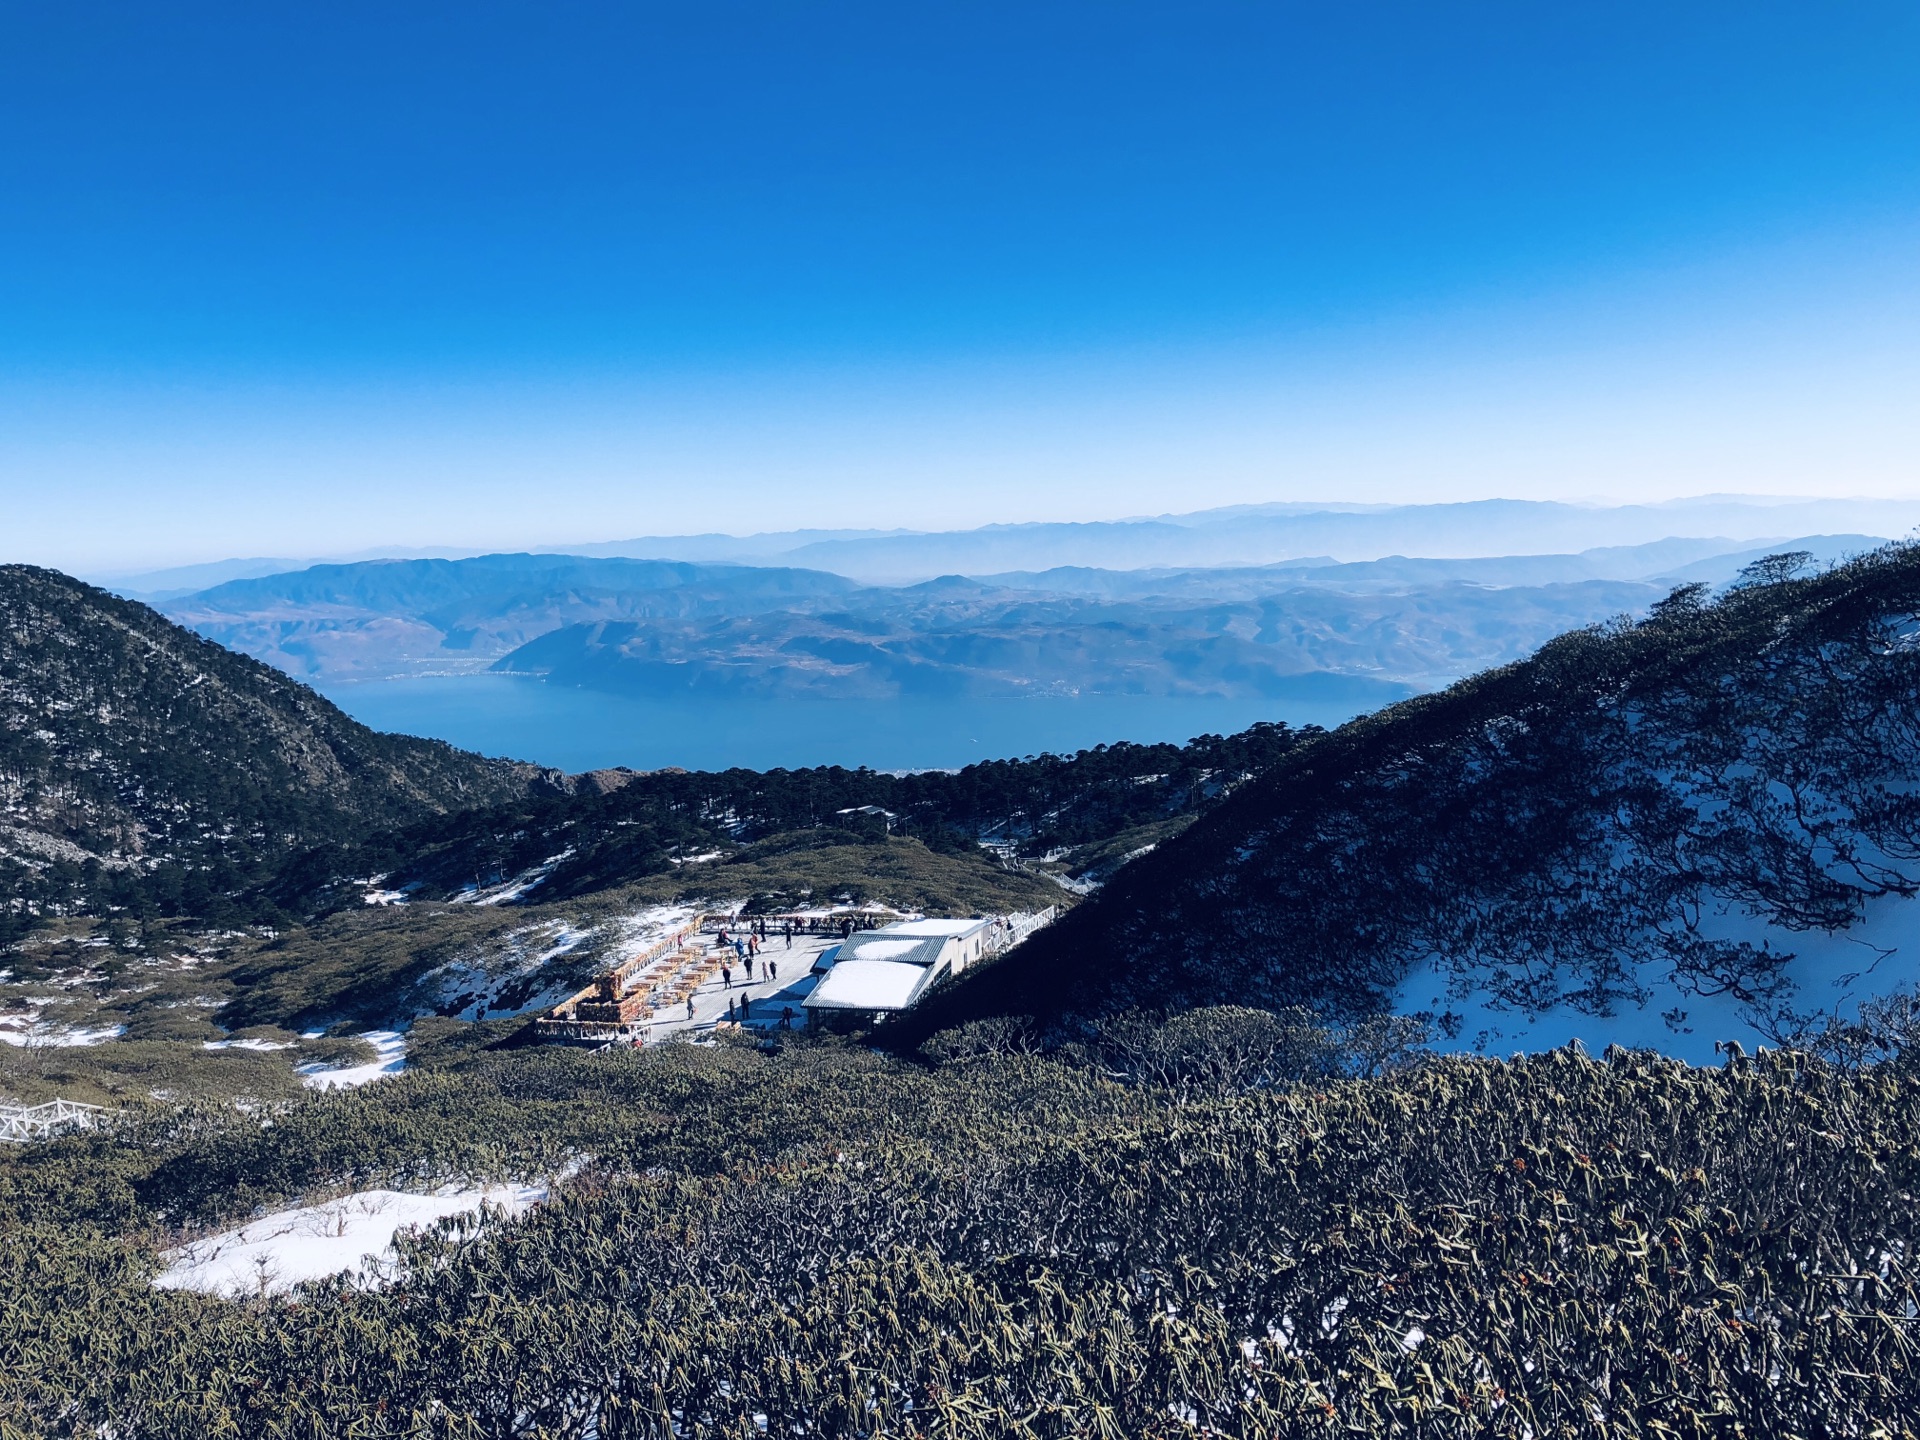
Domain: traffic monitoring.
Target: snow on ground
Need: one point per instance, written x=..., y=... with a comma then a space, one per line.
x=644, y=928
x=353, y=1234
x=514, y=889
x=389, y=1045
x=511, y=977
x=1832, y=974
x=29, y=1031
x=501, y=982
x=251, y=1043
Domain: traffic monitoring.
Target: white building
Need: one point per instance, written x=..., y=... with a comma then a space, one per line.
x=879, y=972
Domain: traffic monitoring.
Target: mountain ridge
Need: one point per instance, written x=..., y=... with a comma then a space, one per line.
x=135, y=753
x=1673, y=799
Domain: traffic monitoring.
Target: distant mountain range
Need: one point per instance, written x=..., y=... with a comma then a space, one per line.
x=1232, y=535
x=1377, y=630
x=1260, y=535
x=381, y=618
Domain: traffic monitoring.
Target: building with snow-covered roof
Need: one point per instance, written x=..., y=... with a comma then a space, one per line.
x=880, y=972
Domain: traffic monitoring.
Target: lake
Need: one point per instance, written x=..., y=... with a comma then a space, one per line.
x=574, y=729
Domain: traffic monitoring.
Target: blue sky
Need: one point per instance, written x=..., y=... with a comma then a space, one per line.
x=297, y=279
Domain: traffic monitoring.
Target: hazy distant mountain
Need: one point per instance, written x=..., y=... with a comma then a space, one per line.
x=960, y=638
x=385, y=618
x=634, y=626
x=1662, y=562
x=1242, y=537
x=1266, y=534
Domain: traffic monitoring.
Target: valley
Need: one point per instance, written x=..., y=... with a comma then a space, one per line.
x=1219, y=1150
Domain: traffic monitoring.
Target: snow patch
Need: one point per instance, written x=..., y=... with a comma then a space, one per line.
x=888, y=949
x=251, y=1043
x=28, y=1032
x=350, y=1235
x=390, y=1046
x=514, y=889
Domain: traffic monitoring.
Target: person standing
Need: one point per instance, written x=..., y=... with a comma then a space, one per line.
x=730, y=1019
x=689, y=1007
x=726, y=981
x=746, y=1002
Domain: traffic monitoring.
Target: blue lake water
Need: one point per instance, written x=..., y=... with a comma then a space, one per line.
x=575, y=729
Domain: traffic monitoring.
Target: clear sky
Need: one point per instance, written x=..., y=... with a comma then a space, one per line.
x=303, y=278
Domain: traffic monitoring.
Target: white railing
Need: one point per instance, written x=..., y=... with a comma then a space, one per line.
x=20, y=1124
x=1018, y=928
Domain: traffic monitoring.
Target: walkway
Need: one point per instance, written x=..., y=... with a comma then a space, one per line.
x=767, y=995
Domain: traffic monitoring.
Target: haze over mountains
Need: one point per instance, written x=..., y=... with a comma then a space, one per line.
x=1235, y=535
x=1383, y=627
x=1264, y=534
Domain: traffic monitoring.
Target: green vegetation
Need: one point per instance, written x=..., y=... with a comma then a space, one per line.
x=625, y=826
x=1198, y=1229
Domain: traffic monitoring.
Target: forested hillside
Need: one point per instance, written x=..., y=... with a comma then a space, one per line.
x=1084, y=813
x=1683, y=796
x=144, y=766
x=1200, y=1230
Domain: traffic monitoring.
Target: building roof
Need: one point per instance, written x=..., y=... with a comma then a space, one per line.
x=911, y=942
x=938, y=927
x=890, y=944
x=867, y=985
